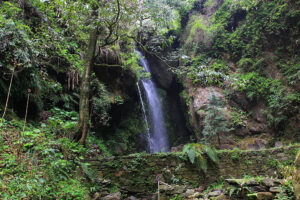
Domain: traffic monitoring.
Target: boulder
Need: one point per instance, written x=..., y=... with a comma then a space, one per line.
x=264, y=196
x=259, y=144
x=259, y=188
x=255, y=127
x=278, y=144
x=250, y=182
x=132, y=198
x=114, y=196
x=172, y=189
x=195, y=195
x=178, y=189
x=268, y=182
x=235, y=181
x=189, y=192
x=97, y=195
x=222, y=197
x=215, y=193
x=200, y=189
x=275, y=189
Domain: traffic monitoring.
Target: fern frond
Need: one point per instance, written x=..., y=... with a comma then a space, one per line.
x=212, y=154
x=202, y=163
x=190, y=151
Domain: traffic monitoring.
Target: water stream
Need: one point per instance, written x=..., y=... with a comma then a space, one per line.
x=148, y=136
x=157, y=137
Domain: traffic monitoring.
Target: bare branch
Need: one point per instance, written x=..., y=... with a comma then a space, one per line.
x=106, y=65
x=112, y=27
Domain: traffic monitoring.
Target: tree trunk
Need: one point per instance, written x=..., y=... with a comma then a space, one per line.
x=83, y=124
x=219, y=141
x=8, y=93
x=26, y=111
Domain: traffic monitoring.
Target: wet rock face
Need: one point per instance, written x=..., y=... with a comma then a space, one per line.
x=117, y=80
x=252, y=126
x=241, y=100
x=201, y=96
x=160, y=59
x=199, y=100
x=160, y=71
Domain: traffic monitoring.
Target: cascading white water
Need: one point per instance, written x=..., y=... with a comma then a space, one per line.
x=145, y=120
x=158, y=140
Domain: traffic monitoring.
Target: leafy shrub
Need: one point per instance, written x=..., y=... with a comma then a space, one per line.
x=61, y=122
x=238, y=117
x=281, y=105
x=199, y=36
x=101, y=103
x=245, y=64
x=291, y=69
x=255, y=85
x=200, y=72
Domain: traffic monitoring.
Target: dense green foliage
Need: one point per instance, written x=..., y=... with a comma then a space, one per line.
x=250, y=47
x=38, y=164
x=43, y=44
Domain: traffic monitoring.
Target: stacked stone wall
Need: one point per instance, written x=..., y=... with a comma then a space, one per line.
x=140, y=173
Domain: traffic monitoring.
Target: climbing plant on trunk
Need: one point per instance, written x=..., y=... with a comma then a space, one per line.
x=83, y=123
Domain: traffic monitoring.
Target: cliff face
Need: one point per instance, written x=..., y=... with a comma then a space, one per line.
x=242, y=53
x=246, y=54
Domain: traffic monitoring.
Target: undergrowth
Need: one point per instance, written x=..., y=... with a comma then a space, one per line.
x=42, y=162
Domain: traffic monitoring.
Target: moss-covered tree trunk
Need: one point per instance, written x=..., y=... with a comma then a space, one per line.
x=83, y=124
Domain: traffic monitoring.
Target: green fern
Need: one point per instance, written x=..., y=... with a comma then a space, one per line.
x=191, y=155
x=88, y=171
x=202, y=163
x=196, y=155
x=211, y=154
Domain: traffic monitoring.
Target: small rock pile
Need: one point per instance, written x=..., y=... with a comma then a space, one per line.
x=264, y=189
x=233, y=189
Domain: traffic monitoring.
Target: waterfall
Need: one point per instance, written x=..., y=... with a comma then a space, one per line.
x=157, y=139
x=150, y=142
